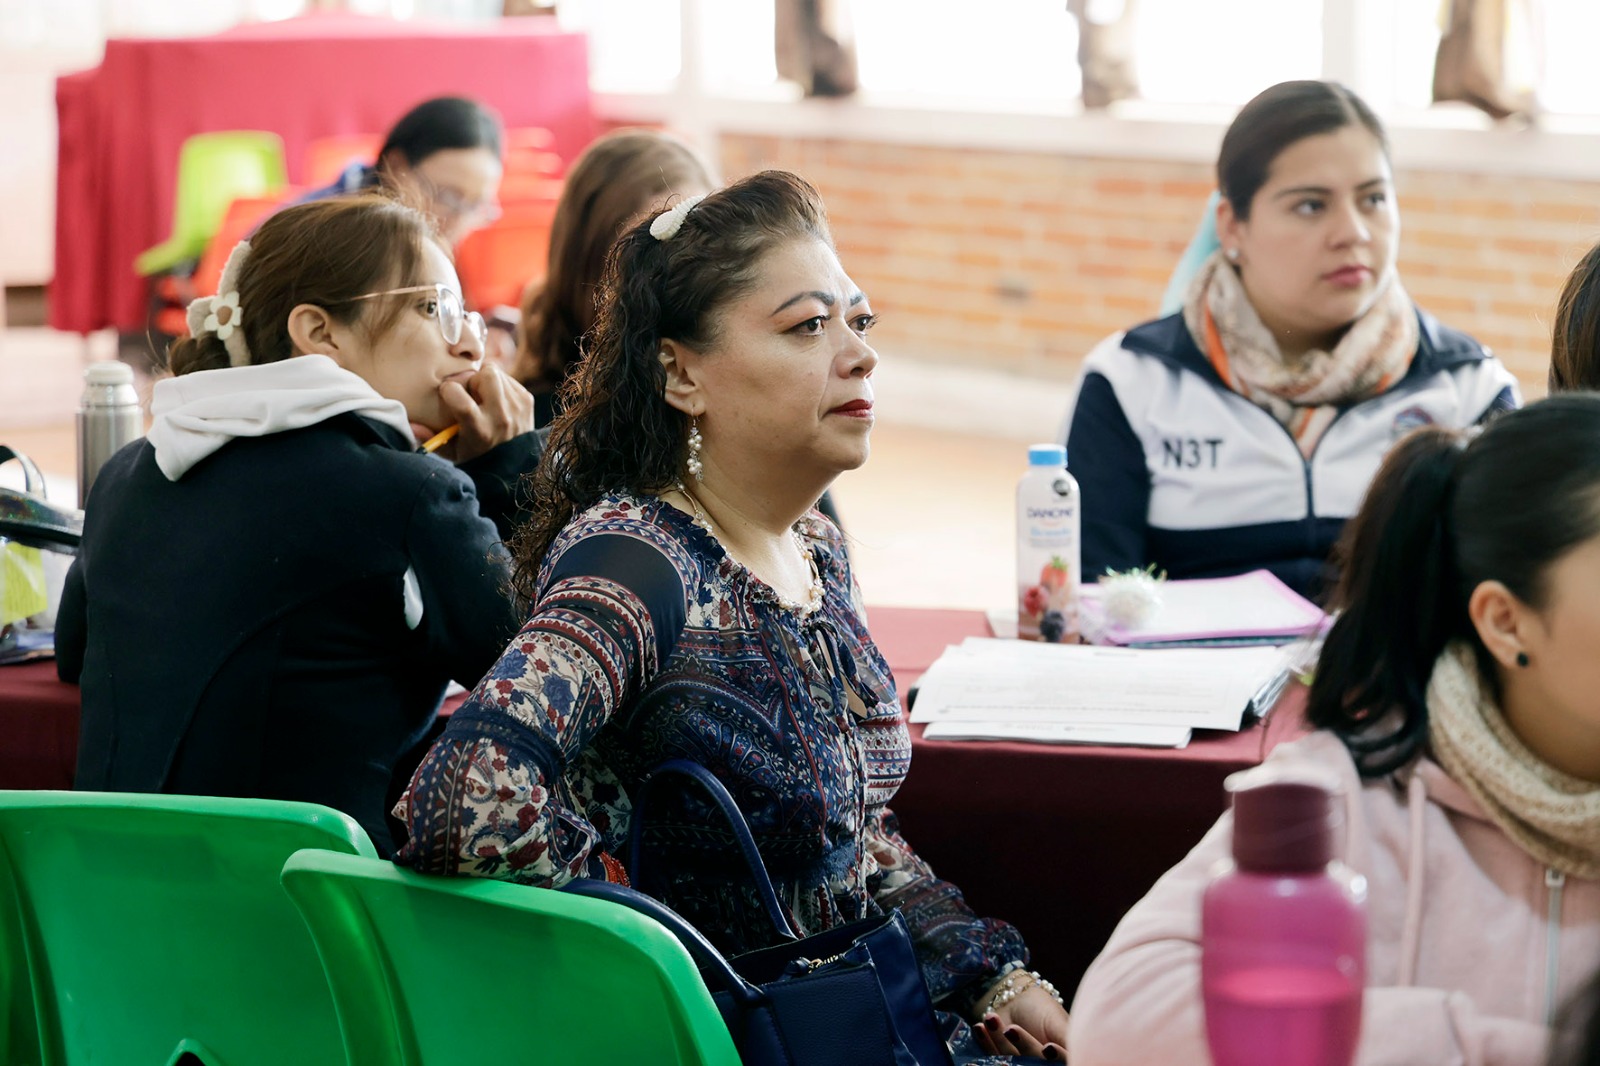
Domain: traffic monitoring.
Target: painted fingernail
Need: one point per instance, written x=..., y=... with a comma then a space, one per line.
x=1013, y=1033
x=991, y=1022
x=1053, y=1053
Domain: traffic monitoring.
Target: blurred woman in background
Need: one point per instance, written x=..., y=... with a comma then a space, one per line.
x=444, y=157
x=617, y=178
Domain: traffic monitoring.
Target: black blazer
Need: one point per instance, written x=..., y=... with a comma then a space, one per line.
x=242, y=631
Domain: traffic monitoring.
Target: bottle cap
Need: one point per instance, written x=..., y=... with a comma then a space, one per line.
x=1284, y=818
x=108, y=372
x=1047, y=455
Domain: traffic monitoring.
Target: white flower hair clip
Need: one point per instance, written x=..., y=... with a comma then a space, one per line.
x=220, y=314
x=669, y=222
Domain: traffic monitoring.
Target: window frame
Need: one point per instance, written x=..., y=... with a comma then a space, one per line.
x=1357, y=50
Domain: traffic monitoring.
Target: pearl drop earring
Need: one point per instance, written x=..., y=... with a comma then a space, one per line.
x=695, y=467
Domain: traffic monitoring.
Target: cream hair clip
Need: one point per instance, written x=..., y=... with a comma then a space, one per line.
x=666, y=225
x=220, y=314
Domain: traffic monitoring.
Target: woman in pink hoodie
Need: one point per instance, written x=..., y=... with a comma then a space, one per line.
x=1458, y=699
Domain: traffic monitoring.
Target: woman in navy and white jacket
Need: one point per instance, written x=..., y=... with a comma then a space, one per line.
x=1241, y=432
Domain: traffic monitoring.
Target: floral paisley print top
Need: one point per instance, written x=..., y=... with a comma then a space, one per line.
x=647, y=642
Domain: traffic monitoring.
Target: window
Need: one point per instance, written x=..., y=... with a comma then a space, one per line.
x=1191, y=52
x=736, y=44
x=1017, y=51
x=1562, y=44
x=634, y=45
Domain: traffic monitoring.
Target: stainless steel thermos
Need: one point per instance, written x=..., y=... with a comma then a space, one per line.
x=108, y=418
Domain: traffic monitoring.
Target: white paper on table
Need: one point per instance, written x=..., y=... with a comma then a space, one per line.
x=1026, y=681
x=1144, y=736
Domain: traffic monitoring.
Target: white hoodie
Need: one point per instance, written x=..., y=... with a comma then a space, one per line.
x=196, y=414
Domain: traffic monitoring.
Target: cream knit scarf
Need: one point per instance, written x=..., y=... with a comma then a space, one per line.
x=1552, y=816
x=1373, y=354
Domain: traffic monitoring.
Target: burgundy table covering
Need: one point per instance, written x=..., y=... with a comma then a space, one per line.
x=38, y=727
x=122, y=123
x=1058, y=840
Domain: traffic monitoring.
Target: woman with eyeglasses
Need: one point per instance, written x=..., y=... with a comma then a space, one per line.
x=276, y=584
x=445, y=155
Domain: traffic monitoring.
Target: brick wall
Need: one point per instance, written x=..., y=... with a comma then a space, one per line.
x=1022, y=261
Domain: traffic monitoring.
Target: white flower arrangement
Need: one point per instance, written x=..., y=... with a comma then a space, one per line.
x=1131, y=598
x=669, y=222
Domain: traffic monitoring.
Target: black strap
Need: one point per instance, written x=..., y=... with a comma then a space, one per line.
x=736, y=822
x=700, y=949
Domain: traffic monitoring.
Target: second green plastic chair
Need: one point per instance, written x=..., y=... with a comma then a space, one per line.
x=135, y=929
x=432, y=971
x=214, y=169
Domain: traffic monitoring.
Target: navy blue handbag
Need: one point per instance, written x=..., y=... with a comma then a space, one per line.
x=853, y=994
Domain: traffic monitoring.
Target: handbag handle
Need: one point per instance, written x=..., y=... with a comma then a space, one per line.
x=32, y=479
x=699, y=948
x=736, y=822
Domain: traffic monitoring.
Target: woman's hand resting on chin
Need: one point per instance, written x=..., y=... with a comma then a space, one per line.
x=491, y=408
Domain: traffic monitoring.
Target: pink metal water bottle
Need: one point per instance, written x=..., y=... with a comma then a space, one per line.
x=1283, y=929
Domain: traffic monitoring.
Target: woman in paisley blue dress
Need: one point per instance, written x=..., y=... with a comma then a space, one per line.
x=686, y=601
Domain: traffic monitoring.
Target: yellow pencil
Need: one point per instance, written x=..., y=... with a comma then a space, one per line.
x=441, y=438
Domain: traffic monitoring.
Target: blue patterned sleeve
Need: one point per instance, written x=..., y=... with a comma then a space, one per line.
x=494, y=796
x=961, y=954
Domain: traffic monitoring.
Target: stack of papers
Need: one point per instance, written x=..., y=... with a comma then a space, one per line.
x=1253, y=608
x=1082, y=694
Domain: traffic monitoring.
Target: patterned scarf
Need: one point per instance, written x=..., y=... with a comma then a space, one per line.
x=1373, y=354
x=1551, y=815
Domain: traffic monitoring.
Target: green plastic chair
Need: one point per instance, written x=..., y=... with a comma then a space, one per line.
x=214, y=169
x=144, y=929
x=417, y=964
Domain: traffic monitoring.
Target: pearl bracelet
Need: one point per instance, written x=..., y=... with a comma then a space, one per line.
x=1010, y=990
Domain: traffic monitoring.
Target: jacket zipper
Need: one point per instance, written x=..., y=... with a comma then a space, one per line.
x=1554, y=882
x=1306, y=460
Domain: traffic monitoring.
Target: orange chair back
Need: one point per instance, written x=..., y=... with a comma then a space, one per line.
x=532, y=171
x=497, y=262
x=243, y=216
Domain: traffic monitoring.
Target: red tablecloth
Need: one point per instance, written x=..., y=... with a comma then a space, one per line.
x=121, y=124
x=1058, y=840
x=38, y=727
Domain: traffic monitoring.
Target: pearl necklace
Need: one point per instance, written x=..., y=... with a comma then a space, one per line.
x=814, y=591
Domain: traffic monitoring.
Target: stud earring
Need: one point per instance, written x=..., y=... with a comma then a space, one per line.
x=696, y=468
x=1232, y=254
x=1522, y=658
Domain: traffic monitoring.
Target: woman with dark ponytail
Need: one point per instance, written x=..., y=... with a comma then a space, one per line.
x=276, y=585
x=1457, y=699
x=687, y=601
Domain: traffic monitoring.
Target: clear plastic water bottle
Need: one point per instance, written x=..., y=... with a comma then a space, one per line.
x=108, y=419
x=1283, y=929
x=1049, y=550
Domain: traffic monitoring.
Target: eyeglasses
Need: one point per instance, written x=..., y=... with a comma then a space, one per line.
x=447, y=310
x=455, y=204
